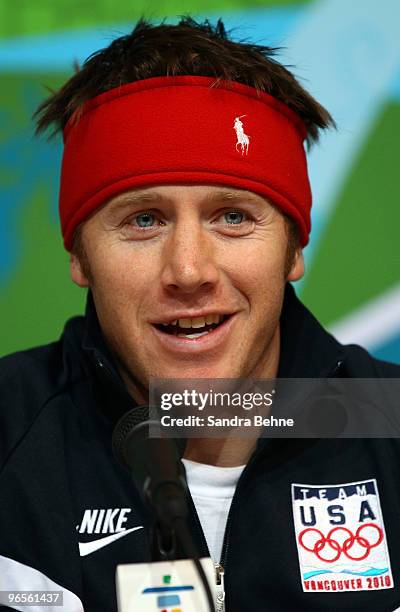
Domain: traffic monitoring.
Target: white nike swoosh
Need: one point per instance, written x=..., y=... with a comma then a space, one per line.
x=86, y=548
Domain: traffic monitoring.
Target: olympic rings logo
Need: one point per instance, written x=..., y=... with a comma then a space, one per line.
x=341, y=543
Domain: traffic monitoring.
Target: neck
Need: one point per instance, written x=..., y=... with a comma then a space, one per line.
x=222, y=452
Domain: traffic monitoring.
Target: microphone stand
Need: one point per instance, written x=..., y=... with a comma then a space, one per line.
x=154, y=466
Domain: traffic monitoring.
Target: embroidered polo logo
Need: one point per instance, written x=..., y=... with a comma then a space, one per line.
x=340, y=537
x=243, y=140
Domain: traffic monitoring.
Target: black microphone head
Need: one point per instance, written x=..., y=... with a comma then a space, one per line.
x=152, y=461
x=124, y=427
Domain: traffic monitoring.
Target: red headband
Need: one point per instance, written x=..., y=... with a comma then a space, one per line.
x=185, y=129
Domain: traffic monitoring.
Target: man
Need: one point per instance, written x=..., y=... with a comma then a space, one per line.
x=185, y=204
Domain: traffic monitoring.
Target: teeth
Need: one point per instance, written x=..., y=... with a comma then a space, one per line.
x=192, y=335
x=198, y=322
x=185, y=323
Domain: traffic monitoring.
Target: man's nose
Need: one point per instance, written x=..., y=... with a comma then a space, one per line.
x=189, y=259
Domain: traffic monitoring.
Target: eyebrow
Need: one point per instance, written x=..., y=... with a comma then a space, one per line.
x=235, y=196
x=139, y=197
x=147, y=197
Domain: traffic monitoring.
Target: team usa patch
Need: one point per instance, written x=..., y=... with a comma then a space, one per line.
x=340, y=537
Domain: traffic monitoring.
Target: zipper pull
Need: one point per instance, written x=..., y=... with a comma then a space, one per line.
x=220, y=589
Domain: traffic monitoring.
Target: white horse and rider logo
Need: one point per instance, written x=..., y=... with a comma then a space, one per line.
x=243, y=140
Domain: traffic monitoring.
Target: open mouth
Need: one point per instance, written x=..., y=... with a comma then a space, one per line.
x=192, y=328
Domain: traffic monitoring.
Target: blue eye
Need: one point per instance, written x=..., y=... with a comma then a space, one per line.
x=234, y=217
x=145, y=220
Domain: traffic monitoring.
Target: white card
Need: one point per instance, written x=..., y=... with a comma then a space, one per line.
x=164, y=586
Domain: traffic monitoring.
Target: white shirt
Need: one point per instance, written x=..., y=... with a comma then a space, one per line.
x=212, y=488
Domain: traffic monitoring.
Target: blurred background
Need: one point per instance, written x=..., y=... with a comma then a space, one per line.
x=347, y=54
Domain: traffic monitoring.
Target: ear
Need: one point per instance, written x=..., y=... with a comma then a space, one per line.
x=297, y=269
x=76, y=271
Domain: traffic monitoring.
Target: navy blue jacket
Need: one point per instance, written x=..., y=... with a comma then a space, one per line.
x=61, y=490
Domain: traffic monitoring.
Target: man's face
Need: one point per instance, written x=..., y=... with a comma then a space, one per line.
x=200, y=255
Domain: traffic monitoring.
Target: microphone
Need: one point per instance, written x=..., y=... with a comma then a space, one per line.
x=154, y=464
x=157, y=471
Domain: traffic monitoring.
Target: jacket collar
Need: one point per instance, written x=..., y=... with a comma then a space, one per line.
x=307, y=349
x=94, y=343
x=112, y=396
